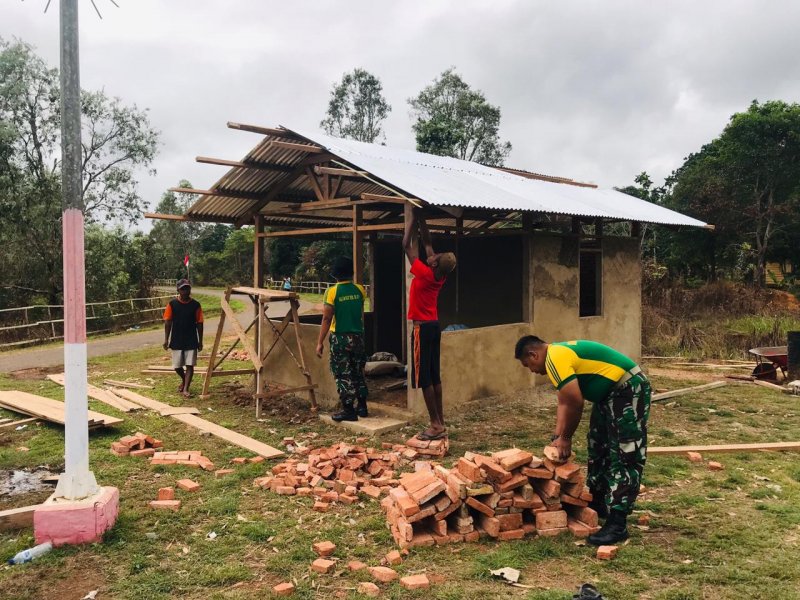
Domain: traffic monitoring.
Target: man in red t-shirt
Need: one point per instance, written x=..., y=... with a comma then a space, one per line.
x=429, y=277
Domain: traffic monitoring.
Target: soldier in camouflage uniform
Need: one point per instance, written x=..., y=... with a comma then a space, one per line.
x=343, y=316
x=617, y=441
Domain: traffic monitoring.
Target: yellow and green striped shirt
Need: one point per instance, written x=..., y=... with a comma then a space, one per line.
x=596, y=366
x=347, y=300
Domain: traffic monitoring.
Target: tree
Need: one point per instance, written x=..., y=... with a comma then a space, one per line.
x=117, y=140
x=454, y=120
x=172, y=240
x=356, y=108
x=747, y=180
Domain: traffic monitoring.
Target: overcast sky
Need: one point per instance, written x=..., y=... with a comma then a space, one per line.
x=597, y=91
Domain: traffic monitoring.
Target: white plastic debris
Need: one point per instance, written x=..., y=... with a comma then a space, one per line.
x=506, y=574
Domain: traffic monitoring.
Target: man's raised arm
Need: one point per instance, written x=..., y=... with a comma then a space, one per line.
x=410, y=233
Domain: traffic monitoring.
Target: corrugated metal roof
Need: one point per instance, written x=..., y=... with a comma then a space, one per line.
x=445, y=181
x=437, y=180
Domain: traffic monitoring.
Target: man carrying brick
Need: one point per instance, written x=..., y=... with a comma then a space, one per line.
x=183, y=333
x=617, y=441
x=429, y=277
x=343, y=316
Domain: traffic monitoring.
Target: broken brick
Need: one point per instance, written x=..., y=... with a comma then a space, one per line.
x=221, y=472
x=383, y=574
x=324, y=548
x=367, y=588
x=323, y=565
x=356, y=565
x=166, y=493
x=415, y=582
x=187, y=485
x=715, y=466
x=172, y=505
x=283, y=589
x=694, y=457
x=606, y=552
x=393, y=557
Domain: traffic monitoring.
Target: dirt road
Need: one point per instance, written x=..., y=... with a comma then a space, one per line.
x=53, y=355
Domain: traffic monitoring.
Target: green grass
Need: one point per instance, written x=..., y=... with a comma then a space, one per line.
x=730, y=534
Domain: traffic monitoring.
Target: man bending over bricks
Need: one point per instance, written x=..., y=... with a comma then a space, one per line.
x=429, y=277
x=183, y=333
x=343, y=316
x=617, y=441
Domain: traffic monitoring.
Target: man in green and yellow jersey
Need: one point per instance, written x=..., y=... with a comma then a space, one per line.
x=343, y=316
x=617, y=441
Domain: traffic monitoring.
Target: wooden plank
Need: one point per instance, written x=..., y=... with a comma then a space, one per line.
x=179, y=410
x=323, y=230
x=233, y=437
x=237, y=327
x=217, y=193
x=300, y=207
x=17, y=518
x=18, y=423
x=101, y=395
x=689, y=390
x=166, y=217
x=312, y=179
x=285, y=391
x=46, y=408
x=395, y=199
x=775, y=446
x=340, y=172
x=127, y=384
x=771, y=386
x=271, y=295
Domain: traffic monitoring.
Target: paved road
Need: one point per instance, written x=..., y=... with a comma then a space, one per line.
x=53, y=355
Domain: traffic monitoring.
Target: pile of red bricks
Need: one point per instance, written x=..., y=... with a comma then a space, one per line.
x=138, y=444
x=507, y=495
x=191, y=458
x=428, y=448
x=338, y=473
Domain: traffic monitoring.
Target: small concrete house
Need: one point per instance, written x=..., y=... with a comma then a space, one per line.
x=536, y=253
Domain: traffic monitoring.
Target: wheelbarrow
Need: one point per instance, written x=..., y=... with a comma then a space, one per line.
x=768, y=360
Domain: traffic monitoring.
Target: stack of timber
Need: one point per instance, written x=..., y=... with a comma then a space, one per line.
x=338, y=473
x=47, y=409
x=506, y=496
x=105, y=396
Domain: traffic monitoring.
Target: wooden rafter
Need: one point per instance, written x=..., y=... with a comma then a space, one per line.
x=262, y=130
x=339, y=172
x=296, y=146
x=326, y=205
x=256, y=166
x=217, y=193
x=312, y=179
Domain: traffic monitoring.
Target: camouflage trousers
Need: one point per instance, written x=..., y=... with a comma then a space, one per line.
x=348, y=358
x=617, y=444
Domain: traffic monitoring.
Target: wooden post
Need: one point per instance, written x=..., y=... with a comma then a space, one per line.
x=258, y=253
x=296, y=320
x=459, y=233
x=214, y=349
x=527, y=274
x=358, y=246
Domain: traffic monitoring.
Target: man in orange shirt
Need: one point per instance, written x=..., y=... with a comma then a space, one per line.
x=183, y=333
x=429, y=277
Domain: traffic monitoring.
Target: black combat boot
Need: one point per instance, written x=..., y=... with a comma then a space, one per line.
x=615, y=530
x=587, y=592
x=362, y=409
x=347, y=414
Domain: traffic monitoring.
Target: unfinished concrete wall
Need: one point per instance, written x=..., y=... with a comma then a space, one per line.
x=477, y=363
x=555, y=293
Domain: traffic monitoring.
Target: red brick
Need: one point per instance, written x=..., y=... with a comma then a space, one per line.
x=606, y=552
x=579, y=529
x=222, y=472
x=494, y=472
x=551, y=519
x=323, y=565
x=371, y=491
x=321, y=506
x=512, y=534
x=428, y=492
x=510, y=521
x=393, y=558
x=285, y=490
x=694, y=457
x=472, y=536
x=324, y=548
x=415, y=582
x=537, y=472
x=552, y=532
x=367, y=588
x=566, y=499
x=585, y=515
x=239, y=460
x=283, y=589
x=513, y=483
x=513, y=458
x=255, y=459
x=131, y=441
x=166, y=493
x=120, y=447
x=712, y=466
x=490, y=525
x=383, y=574
x=470, y=470
x=643, y=520
x=143, y=452
x=356, y=565
x=480, y=507
x=412, y=482
x=348, y=499
x=568, y=472
x=187, y=485
x=173, y=505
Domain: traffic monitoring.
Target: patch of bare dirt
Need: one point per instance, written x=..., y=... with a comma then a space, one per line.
x=35, y=373
x=688, y=374
x=71, y=579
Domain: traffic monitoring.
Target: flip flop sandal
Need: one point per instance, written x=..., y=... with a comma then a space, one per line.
x=425, y=437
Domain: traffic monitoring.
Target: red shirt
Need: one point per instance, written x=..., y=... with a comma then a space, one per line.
x=424, y=293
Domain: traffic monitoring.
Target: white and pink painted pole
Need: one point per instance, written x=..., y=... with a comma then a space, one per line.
x=79, y=511
x=77, y=480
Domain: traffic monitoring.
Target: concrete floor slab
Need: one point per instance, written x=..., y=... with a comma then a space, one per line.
x=369, y=426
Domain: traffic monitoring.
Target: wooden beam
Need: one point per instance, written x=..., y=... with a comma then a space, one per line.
x=217, y=193
x=296, y=146
x=320, y=205
x=391, y=199
x=775, y=446
x=17, y=518
x=243, y=165
x=689, y=390
x=378, y=227
x=312, y=179
x=166, y=217
x=340, y=172
x=258, y=254
x=358, y=245
x=18, y=423
x=262, y=130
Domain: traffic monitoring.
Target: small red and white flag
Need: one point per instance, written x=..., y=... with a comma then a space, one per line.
x=186, y=261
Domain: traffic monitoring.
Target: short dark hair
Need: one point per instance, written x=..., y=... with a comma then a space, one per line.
x=524, y=342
